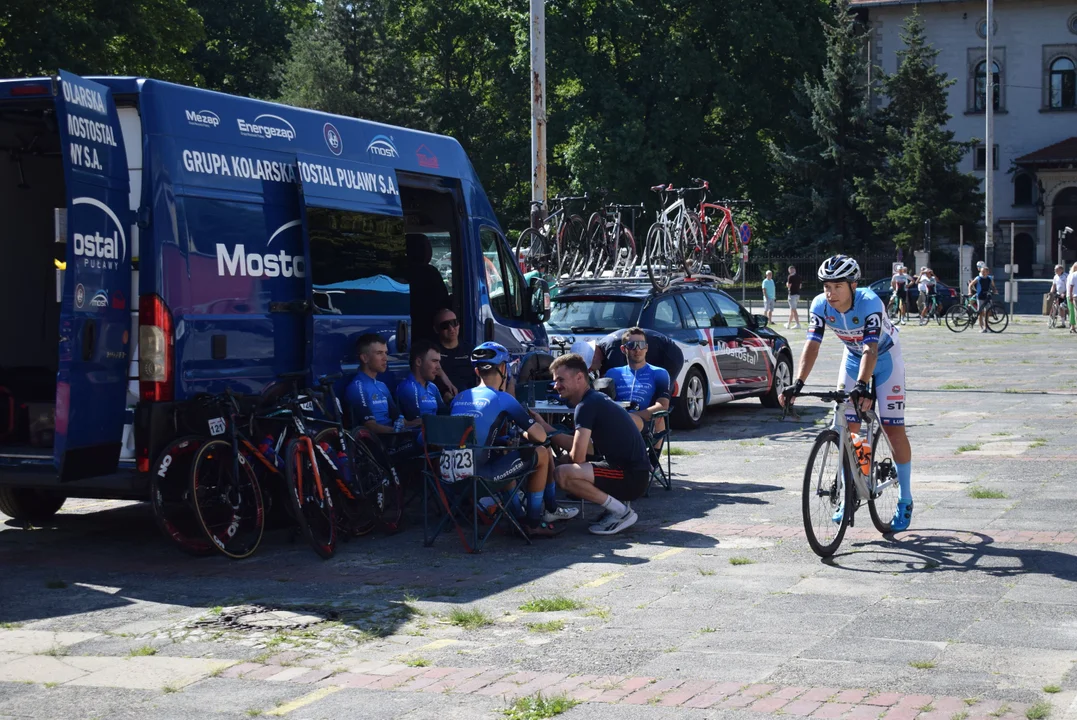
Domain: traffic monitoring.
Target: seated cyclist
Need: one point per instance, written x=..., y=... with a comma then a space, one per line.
x=872, y=351
x=372, y=406
x=417, y=395
x=493, y=409
x=643, y=385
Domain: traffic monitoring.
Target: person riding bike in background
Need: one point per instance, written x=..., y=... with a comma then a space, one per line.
x=900, y=286
x=872, y=351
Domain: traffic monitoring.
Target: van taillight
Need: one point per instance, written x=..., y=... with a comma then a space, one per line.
x=24, y=90
x=155, y=341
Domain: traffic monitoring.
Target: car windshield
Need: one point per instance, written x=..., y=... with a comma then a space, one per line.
x=593, y=315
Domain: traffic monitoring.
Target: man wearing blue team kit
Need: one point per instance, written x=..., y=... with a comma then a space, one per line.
x=643, y=385
x=417, y=395
x=857, y=316
x=493, y=410
x=372, y=406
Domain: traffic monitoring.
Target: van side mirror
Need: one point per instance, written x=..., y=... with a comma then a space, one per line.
x=540, y=299
x=760, y=320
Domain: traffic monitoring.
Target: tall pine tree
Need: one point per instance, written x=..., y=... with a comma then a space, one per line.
x=818, y=198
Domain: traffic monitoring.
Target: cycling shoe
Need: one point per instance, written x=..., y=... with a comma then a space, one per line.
x=902, y=516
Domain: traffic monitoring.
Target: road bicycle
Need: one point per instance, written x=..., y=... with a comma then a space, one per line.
x=610, y=244
x=933, y=311
x=719, y=254
x=835, y=487
x=675, y=229
x=1057, y=315
x=964, y=315
x=557, y=244
x=893, y=307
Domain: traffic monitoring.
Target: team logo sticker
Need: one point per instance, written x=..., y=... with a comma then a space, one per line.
x=80, y=295
x=383, y=146
x=332, y=139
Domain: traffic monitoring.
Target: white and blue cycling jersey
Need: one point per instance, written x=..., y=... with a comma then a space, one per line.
x=641, y=387
x=863, y=324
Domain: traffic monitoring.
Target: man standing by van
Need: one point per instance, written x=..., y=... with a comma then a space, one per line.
x=455, y=374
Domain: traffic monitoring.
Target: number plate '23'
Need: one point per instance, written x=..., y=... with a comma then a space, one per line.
x=457, y=465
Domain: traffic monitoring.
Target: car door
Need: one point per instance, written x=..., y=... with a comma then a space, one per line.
x=753, y=352
x=714, y=337
x=665, y=317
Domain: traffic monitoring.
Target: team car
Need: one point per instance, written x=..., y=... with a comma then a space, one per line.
x=728, y=352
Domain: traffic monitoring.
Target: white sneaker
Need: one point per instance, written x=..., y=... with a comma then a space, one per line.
x=561, y=513
x=786, y=325
x=615, y=524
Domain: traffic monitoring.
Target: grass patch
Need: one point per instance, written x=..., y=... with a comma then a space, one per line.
x=1003, y=433
x=55, y=584
x=170, y=688
x=216, y=610
x=144, y=651
x=971, y=447
x=10, y=625
x=922, y=664
x=957, y=386
x=1037, y=443
x=709, y=630
x=1039, y=711
x=1000, y=711
x=417, y=662
x=601, y=613
x=706, y=573
x=1052, y=689
x=51, y=684
x=56, y=651
x=741, y=561
x=253, y=712
x=959, y=715
x=551, y=604
x=981, y=493
x=546, y=627
x=538, y=707
x=470, y=619
x=681, y=451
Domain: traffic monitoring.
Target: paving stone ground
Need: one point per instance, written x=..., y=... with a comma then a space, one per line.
x=971, y=615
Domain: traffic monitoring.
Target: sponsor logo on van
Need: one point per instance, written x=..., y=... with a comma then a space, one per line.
x=426, y=158
x=382, y=145
x=104, y=252
x=332, y=139
x=267, y=126
x=80, y=295
x=238, y=261
x=203, y=118
x=100, y=299
x=84, y=97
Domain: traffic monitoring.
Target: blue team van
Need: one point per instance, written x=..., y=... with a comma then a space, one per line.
x=161, y=241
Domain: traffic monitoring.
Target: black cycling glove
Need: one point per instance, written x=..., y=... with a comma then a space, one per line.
x=793, y=390
x=860, y=390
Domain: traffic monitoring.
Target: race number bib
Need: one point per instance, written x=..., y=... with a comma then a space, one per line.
x=457, y=465
x=216, y=427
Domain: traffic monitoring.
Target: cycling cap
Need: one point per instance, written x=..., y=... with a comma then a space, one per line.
x=839, y=267
x=489, y=354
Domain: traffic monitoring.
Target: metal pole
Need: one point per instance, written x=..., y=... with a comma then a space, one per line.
x=989, y=165
x=538, y=100
x=1010, y=279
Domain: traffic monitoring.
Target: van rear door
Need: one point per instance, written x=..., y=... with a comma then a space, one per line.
x=354, y=224
x=91, y=385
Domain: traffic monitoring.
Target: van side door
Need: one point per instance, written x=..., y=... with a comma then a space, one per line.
x=504, y=302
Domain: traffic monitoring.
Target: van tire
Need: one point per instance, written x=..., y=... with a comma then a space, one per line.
x=29, y=505
x=685, y=417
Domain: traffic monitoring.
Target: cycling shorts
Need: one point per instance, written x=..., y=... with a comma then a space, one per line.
x=511, y=464
x=889, y=379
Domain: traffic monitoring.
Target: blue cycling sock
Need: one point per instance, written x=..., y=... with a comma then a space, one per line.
x=904, y=471
x=514, y=505
x=549, y=495
x=535, y=505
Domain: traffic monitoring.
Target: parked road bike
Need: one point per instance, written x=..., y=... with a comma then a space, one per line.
x=675, y=229
x=717, y=247
x=964, y=315
x=840, y=477
x=609, y=242
x=554, y=247
x=1057, y=315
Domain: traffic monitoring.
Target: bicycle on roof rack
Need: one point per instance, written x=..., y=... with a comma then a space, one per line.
x=719, y=253
x=675, y=228
x=610, y=242
x=557, y=245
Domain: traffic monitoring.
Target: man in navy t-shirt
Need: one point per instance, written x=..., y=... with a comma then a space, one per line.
x=497, y=414
x=623, y=472
x=417, y=395
x=983, y=285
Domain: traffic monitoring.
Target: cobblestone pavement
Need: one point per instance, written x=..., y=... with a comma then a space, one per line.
x=711, y=606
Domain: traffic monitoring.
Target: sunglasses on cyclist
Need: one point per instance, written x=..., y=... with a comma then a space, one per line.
x=636, y=345
x=448, y=324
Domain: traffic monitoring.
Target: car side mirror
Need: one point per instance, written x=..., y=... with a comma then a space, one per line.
x=541, y=306
x=760, y=320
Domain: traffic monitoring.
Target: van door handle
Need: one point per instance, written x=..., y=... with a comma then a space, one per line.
x=290, y=306
x=89, y=339
x=402, y=336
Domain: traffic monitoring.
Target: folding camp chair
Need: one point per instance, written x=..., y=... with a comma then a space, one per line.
x=451, y=454
x=656, y=442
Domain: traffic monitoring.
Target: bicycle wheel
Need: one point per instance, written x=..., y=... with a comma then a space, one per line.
x=958, y=318
x=353, y=509
x=311, y=502
x=533, y=251
x=883, y=470
x=997, y=318
x=380, y=480
x=659, y=256
x=229, y=508
x=569, y=246
x=827, y=487
x=689, y=245
x=626, y=258
x=170, y=495
x=1052, y=316
x=936, y=312
x=892, y=308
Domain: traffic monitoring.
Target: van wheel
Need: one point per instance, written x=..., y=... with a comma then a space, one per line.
x=783, y=378
x=28, y=505
x=688, y=408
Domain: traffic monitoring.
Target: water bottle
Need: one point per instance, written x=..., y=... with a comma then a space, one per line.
x=398, y=424
x=863, y=453
x=269, y=452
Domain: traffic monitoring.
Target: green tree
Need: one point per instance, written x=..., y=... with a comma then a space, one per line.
x=918, y=87
x=818, y=202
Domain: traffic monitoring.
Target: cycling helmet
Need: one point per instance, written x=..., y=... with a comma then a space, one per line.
x=839, y=267
x=489, y=354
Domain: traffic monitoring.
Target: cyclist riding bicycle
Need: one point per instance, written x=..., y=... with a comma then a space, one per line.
x=899, y=283
x=872, y=351
x=498, y=414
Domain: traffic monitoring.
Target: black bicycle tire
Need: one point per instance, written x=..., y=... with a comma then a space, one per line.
x=388, y=492
x=659, y=250
x=626, y=240
x=952, y=318
x=1004, y=322
x=171, y=502
x=881, y=524
x=595, y=242
x=231, y=549
x=354, y=510
x=541, y=240
x=807, y=494
x=305, y=507
x=569, y=240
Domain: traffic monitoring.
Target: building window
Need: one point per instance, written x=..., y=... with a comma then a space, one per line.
x=981, y=87
x=979, y=159
x=1022, y=189
x=1063, y=84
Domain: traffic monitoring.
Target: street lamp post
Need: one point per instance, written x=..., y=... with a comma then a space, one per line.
x=989, y=155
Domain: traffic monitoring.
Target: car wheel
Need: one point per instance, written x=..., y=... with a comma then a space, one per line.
x=29, y=505
x=783, y=378
x=689, y=406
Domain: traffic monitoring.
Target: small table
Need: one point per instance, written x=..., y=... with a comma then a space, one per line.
x=546, y=407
